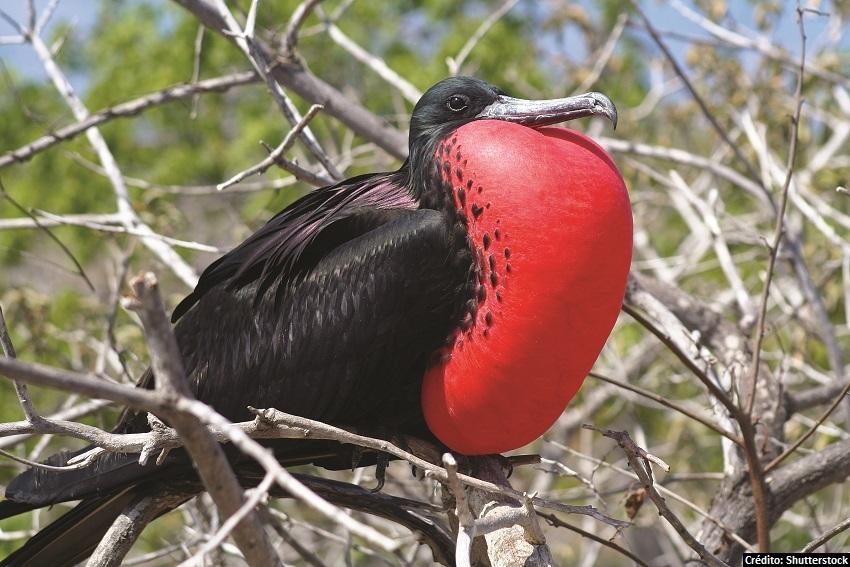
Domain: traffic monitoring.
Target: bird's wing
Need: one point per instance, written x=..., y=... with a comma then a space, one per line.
x=336, y=213
x=345, y=331
x=342, y=333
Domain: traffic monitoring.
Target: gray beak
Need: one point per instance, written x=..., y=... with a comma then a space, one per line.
x=545, y=112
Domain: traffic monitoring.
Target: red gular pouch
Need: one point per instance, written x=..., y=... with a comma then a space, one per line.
x=550, y=224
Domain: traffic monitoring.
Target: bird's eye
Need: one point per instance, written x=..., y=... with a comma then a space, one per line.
x=457, y=103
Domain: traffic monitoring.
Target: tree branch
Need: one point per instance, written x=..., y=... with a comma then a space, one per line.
x=209, y=458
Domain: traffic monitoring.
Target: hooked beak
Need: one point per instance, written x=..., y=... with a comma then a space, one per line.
x=536, y=113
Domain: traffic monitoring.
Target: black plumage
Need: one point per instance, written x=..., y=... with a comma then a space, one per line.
x=332, y=310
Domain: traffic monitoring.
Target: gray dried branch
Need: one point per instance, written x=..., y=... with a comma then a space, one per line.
x=826, y=536
x=127, y=528
x=308, y=86
x=210, y=460
x=248, y=44
x=277, y=154
x=125, y=109
x=639, y=462
x=559, y=523
x=378, y=65
x=293, y=26
x=670, y=404
x=455, y=63
x=24, y=399
x=779, y=232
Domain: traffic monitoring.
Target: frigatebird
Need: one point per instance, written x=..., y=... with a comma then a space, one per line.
x=462, y=298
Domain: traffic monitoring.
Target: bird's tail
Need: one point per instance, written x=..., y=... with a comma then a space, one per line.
x=106, y=487
x=71, y=538
x=110, y=484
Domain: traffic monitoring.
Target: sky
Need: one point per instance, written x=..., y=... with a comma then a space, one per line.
x=82, y=14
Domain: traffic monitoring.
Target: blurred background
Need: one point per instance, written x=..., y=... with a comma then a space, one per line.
x=702, y=215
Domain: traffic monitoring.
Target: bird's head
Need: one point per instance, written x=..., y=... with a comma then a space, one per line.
x=455, y=101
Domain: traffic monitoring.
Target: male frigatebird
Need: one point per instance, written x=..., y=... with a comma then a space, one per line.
x=463, y=297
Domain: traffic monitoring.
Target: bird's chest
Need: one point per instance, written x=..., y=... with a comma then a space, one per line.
x=549, y=225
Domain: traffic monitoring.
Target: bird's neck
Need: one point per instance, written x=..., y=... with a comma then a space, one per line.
x=422, y=173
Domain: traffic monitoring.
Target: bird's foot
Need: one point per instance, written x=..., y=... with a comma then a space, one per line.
x=383, y=460
x=356, y=456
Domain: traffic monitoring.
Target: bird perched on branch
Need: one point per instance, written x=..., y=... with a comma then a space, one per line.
x=462, y=298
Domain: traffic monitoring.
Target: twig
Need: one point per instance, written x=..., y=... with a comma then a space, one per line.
x=257, y=494
x=125, y=109
x=466, y=529
x=601, y=58
x=58, y=220
x=196, y=69
x=802, y=439
x=79, y=268
x=309, y=557
x=826, y=536
x=670, y=404
x=676, y=348
x=45, y=16
x=639, y=462
x=455, y=63
x=559, y=523
x=248, y=44
x=72, y=220
x=30, y=413
x=758, y=334
x=378, y=65
x=8, y=440
x=299, y=16
x=210, y=460
x=37, y=465
x=275, y=154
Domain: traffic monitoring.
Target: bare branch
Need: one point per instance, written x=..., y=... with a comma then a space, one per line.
x=128, y=526
x=293, y=26
x=826, y=536
x=205, y=450
x=314, y=90
x=639, y=462
x=247, y=43
x=125, y=109
x=276, y=154
x=456, y=62
x=378, y=65
x=24, y=399
x=758, y=334
x=670, y=404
